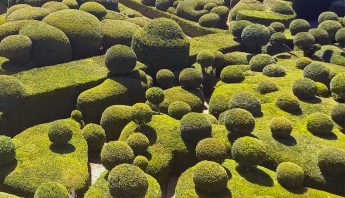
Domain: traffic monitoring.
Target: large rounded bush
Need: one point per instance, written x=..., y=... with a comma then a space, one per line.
x=205, y=58
x=210, y=177
x=288, y=103
x=120, y=59
x=248, y=151
x=7, y=151
x=299, y=25
x=127, y=180
x=337, y=86
x=94, y=8
x=274, y=70
x=302, y=62
x=60, y=132
x=340, y=37
x=236, y=27
x=155, y=95
x=165, y=78
x=138, y=142
x=53, y=6
x=278, y=38
x=247, y=101
x=267, y=86
x=331, y=28
x=28, y=13
x=258, y=62
x=16, y=48
x=319, y=124
x=223, y=13
x=71, y=4
x=211, y=149
x=81, y=28
x=255, y=36
x=304, y=40
x=163, y=5
x=141, y=113
x=51, y=190
x=16, y=7
x=332, y=161
x=290, y=175
x=338, y=114
x=115, y=153
x=322, y=90
x=317, y=72
x=11, y=91
x=321, y=36
x=94, y=136
x=282, y=7
x=281, y=127
x=276, y=27
x=304, y=88
x=195, y=127
x=190, y=78
x=178, y=109
x=239, y=122
x=327, y=16
x=210, y=20
x=232, y=74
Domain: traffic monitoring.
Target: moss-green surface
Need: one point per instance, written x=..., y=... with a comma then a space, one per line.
x=6, y=195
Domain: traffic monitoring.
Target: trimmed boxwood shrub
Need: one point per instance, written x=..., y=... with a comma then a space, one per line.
x=12, y=91
x=338, y=114
x=321, y=36
x=165, y=78
x=328, y=16
x=115, y=153
x=141, y=113
x=255, y=36
x=195, y=127
x=16, y=7
x=317, y=72
x=340, y=37
x=232, y=74
x=304, y=41
x=190, y=78
x=111, y=5
x=259, y=61
x=120, y=59
x=331, y=28
x=162, y=45
x=16, y=48
x=188, y=9
x=163, y=5
x=141, y=161
x=278, y=38
x=274, y=70
x=209, y=6
x=94, y=136
x=28, y=13
x=290, y=175
x=82, y=30
x=288, y=103
x=299, y=25
x=247, y=101
x=302, y=62
x=205, y=58
x=322, y=90
x=282, y=7
x=77, y=115
x=51, y=190
x=94, y=8
x=210, y=177
x=53, y=6
x=178, y=109
x=319, y=124
x=248, y=152
x=332, y=161
x=72, y=4
x=239, y=122
x=127, y=180
x=138, y=142
x=7, y=151
x=211, y=149
x=236, y=27
x=267, y=86
x=281, y=127
x=60, y=133
x=304, y=88
x=277, y=27
x=337, y=86
x=155, y=95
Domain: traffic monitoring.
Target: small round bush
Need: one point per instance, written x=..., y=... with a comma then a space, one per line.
x=232, y=74
x=205, y=58
x=304, y=88
x=278, y=38
x=322, y=90
x=340, y=37
x=190, y=78
x=332, y=161
x=94, y=8
x=76, y=115
x=248, y=151
x=288, y=103
x=304, y=40
x=302, y=62
x=163, y=5
x=299, y=25
x=16, y=7
x=165, y=78
x=236, y=27
x=210, y=6
x=28, y=13
x=267, y=86
x=319, y=124
x=195, y=127
x=247, y=101
x=178, y=109
x=223, y=13
x=338, y=114
x=210, y=177
x=141, y=161
x=277, y=27
x=60, y=132
x=290, y=175
x=141, y=113
x=138, y=142
x=337, y=86
x=331, y=28
x=51, y=190
x=282, y=7
x=11, y=91
x=94, y=136
x=155, y=95
x=210, y=20
x=317, y=72
x=16, y=48
x=274, y=70
x=211, y=149
x=239, y=122
x=115, y=153
x=127, y=180
x=53, y=6
x=258, y=62
x=321, y=36
x=120, y=59
x=7, y=151
x=327, y=16
x=281, y=127
x=255, y=36
x=72, y=4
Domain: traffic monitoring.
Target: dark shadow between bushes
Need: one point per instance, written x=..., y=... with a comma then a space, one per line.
x=256, y=176
x=330, y=136
x=232, y=137
x=287, y=141
x=227, y=193
x=149, y=132
x=64, y=149
x=295, y=112
x=6, y=170
x=314, y=100
x=300, y=190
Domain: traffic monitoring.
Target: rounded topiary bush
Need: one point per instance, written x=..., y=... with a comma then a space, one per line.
x=282, y=7
x=71, y=4
x=7, y=151
x=138, y=142
x=304, y=88
x=28, y=13
x=16, y=7
x=232, y=74
x=16, y=48
x=317, y=72
x=163, y=5
x=274, y=70
x=94, y=136
x=210, y=177
x=340, y=37
x=321, y=36
x=278, y=38
x=288, y=103
x=141, y=161
x=223, y=13
x=205, y=58
x=165, y=78
x=195, y=127
x=299, y=25
x=338, y=114
x=60, y=132
x=141, y=113
x=77, y=115
x=304, y=40
x=155, y=95
x=290, y=175
x=248, y=151
x=120, y=59
x=331, y=28
x=255, y=36
x=322, y=90
x=51, y=190
x=190, y=78
x=236, y=27
x=302, y=62
x=115, y=153
x=94, y=8
x=11, y=91
x=267, y=86
x=337, y=86
x=327, y=16
x=281, y=127
x=277, y=27
x=258, y=62
x=239, y=122
x=53, y=6
x=247, y=101
x=332, y=161
x=82, y=30
x=210, y=6
x=210, y=20
x=211, y=149
x=319, y=124
x=127, y=180
x=178, y=109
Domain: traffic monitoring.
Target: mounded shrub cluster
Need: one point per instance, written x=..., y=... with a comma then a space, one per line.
x=281, y=127
x=255, y=36
x=267, y=86
x=304, y=88
x=319, y=124
x=94, y=8
x=12, y=91
x=141, y=113
x=258, y=62
x=120, y=59
x=7, y=151
x=288, y=103
x=317, y=72
x=247, y=101
x=60, y=133
x=178, y=109
x=190, y=78
x=232, y=74
x=338, y=114
x=337, y=86
x=138, y=142
x=239, y=122
x=299, y=25
x=274, y=70
x=332, y=160
x=17, y=48
x=211, y=149
x=195, y=127
x=115, y=153
x=290, y=175
x=51, y=190
x=165, y=78
x=95, y=136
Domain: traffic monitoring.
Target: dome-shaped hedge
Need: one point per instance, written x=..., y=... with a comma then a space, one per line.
x=277, y=27
x=317, y=72
x=236, y=27
x=282, y=7
x=274, y=70
x=278, y=38
x=248, y=151
x=340, y=37
x=338, y=114
x=16, y=48
x=7, y=151
x=11, y=91
x=327, y=16
x=141, y=113
x=28, y=13
x=299, y=25
x=71, y=4
x=53, y=6
x=211, y=149
x=127, y=180
x=302, y=62
x=319, y=124
x=141, y=161
x=337, y=86
x=247, y=101
x=304, y=40
x=210, y=177
x=205, y=58
x=94, y=8
x=94, y=136
x=288, y=103
x=16, y=7
x=322, y=90
x=138, y=142
x=232, y=74
x=82, y=30
x=77, y=115
x=155, y=95
x=255, y=36
x=60, y=132
x=281, y=127
x=163, y=5
x=290, y=175
x=321, y=36
x=115, y=153
x=190, y=78
x=165, y=78
x=267, y=86
x=332, y=161
x=239, y=122
x=120, y=59
x=178, y=109
x=195, y=127
x=210, y=20
x=304, y=88
x=51, y=190
x=331, y=28
x=258, y=62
